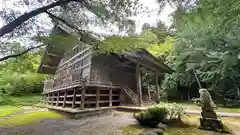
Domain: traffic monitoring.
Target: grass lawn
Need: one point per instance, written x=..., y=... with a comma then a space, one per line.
x=12, y=105
x=191, y=106
x=28, y=118
x=6, y=110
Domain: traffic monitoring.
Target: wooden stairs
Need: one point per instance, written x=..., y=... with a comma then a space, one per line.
x=131, y=94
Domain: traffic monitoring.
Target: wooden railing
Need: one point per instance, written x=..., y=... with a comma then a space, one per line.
x=49, y=85
x=132, y=95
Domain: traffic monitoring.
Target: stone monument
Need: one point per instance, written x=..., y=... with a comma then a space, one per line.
x=209, y=119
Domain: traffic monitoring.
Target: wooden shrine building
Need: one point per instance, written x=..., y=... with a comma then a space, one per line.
x=82, y=79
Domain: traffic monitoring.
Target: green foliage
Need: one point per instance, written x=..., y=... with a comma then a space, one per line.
x=175, y=111
x=207, y=41
x=120, y=44
x=152, y=117
x=20, y=84
x=162, y=50
x=18, y=76
x=160, y=113
x=28, y=100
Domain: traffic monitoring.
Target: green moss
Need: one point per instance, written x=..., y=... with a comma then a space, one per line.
x=190, y=131
x=132, y=130
x=6, y=110
x=28, y=118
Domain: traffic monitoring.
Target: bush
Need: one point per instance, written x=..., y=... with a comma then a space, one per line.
x=152, y=117
x=21, y=84
x=175, y=111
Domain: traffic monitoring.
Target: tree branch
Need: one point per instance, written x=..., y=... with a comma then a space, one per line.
x=22, y=53
x=85, y=36
x=21, y=19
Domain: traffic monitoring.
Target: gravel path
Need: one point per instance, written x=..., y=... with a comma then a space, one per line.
x=96, y=125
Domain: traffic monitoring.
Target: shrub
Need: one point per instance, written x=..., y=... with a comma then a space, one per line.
x=152, y=117
x=21, y=84
x=175, y=111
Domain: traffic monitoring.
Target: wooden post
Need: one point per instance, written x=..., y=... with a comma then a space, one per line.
x=97, y=97
x=157, y=89
x=149, y=94
x=139, y=87
x=110, y=97
x=65, y=98
x=52, y=99
x=58, y=94
x=74, y=98
x=83, y=91
x=43, y=99
x=48, y=97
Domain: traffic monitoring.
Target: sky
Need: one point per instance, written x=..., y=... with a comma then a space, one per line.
x=150, y=18
x=153, y=16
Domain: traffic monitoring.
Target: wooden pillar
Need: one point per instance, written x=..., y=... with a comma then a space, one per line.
x=74, y=98
x=83, y=91
x=64, y=98
x=157, y=89
x=52, y=97
x=97, y=97
x=48, y=97
x=139, y=86
x=110, y=97
x=43, y=98
x=58, y=94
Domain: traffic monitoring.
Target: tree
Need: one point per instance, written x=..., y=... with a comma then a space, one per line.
x=207, y=41
x=76, y=12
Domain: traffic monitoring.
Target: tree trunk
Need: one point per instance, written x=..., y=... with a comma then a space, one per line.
x=23, y=18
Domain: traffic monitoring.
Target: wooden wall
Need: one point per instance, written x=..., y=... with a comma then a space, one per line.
x=106, y=69
x=74, y=66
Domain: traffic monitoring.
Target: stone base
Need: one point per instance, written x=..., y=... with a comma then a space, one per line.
x=211, y=124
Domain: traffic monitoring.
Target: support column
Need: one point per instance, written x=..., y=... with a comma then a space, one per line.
x=139, y=86
x=157, y=89
x=58, y=94
x=52, y=97
x=83, y=91
x=74, y=98
x=97, y=97
x=110, y=97
x=64, y=99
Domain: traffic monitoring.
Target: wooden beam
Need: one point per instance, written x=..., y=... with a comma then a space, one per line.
x=65, y=98
x=58, y=94
x=110, y=97
x=157, y=89
x=139, y=86
x=83, y=91
x=47, y=66
x=54, y=55
x=48, y=97
x=134, y=60
x=160, y=64
x=97, y=97
x=74, y=98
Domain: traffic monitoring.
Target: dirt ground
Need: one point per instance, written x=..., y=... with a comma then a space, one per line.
x=106, y=124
